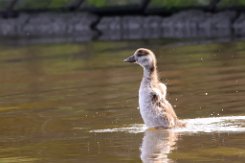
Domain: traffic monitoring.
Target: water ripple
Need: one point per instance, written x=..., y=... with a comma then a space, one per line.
x=214, y=124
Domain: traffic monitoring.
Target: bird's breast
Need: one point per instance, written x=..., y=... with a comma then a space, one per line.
x=145, y=98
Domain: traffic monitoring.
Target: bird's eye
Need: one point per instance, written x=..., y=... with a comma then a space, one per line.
x=142, y=53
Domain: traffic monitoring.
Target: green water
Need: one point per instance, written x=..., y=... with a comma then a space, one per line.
x=53, y=95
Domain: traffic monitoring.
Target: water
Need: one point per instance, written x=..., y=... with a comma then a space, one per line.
x=214, y=124
x=78, y=103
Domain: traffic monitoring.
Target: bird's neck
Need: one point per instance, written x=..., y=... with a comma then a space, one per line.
x=150, y=75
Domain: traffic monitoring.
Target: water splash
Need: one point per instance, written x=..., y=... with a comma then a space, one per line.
x=214, y=124
x=135, y=128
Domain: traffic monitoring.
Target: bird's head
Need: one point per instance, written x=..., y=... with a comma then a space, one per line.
x=143, y=57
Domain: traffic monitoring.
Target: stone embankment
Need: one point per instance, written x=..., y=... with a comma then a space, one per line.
x=49, y=25
x=185, y=24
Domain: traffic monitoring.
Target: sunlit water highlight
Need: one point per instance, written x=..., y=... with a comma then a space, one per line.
x=213, y=124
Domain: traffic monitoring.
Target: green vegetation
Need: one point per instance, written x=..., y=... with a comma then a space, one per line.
x=231, y=3
x=58, y=3
x=3, y=5
x=31, y=4
x=96, y=3
x=178, y=3
x=103, y=3
x=167, y=4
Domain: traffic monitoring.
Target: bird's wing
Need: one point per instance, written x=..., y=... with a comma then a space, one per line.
x=164, y=107
x=158, y=100
x=163, y=89
x=159, y=92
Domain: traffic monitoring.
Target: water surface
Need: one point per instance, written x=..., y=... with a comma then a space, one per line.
x=78, y=103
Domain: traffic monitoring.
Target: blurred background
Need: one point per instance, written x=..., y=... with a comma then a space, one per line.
x=87, y=20
x=67, y=96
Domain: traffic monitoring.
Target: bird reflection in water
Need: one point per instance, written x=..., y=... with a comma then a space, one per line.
x=157, y=144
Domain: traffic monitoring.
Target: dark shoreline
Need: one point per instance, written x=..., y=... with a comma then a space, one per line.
x=86, y=27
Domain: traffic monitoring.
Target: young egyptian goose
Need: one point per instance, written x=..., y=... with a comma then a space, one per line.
x=155, y=109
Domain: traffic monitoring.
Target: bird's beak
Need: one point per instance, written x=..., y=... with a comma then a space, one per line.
x=130, y=59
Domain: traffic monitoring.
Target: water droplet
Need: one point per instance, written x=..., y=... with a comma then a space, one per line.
x=88, y=147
